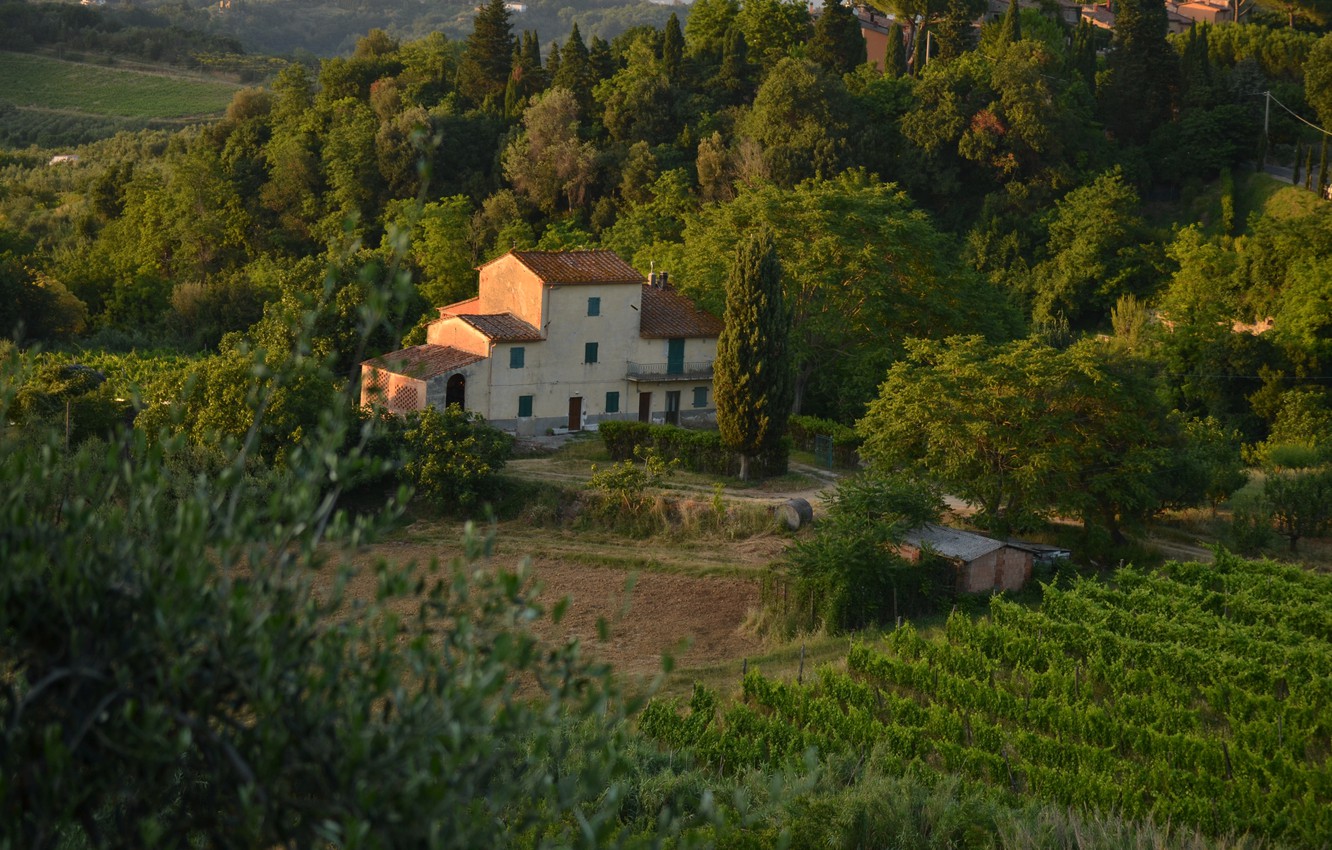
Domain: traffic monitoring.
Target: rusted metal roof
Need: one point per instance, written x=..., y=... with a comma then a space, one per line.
x=501, y=327
x=668, y=314
x=953, y=543
x=423, y=361
x=569, y=267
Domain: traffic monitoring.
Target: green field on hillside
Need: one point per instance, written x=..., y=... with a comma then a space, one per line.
x=41, y=82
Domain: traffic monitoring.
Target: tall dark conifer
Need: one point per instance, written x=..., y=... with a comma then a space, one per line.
x=837, y=43
x=1011, y=31
x=1139, y=93
x=754, y=378
x=894, y=59
x=574, y=73
x=672, y=47
x=483, y=72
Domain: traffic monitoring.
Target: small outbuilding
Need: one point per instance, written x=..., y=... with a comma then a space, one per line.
x=983, y=564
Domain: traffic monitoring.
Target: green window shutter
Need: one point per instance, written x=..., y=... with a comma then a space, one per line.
x=590, y=352
x=700, y=396
x=594, y=306
x=612, y=402
x=524, y=405
x=517, y=355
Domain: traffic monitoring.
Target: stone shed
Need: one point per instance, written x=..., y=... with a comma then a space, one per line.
x=983, y=564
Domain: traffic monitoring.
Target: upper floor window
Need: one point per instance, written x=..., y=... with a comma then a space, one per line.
x=594, y=306
x=516, y=356
x=590, y=352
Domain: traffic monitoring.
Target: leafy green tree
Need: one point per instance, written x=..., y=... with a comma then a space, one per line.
x=639, y=101
x=864, y=270
x=772, y=28
x=1318, y=80
x=1023, y=429
x=548, y=162
x=1098, y=249
x=707, y=26
x=453, y=457
x=837, y=44
x=798, y=119
x=484, y=68
x=753, y=369
x=849, y=571
x=1301, y=503
x=438, y=245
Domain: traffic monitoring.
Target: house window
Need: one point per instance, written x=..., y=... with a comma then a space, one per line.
x=590, y=352
x=594, y=306
x=700, y=396
x=612, y=402
x=517, y=355
x=524, y=405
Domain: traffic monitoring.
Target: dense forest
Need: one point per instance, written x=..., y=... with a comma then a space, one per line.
x=1026, y=180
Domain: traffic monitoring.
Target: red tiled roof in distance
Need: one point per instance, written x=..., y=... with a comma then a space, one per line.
x=566, y=267
x=423, y=361
x=501, y=327
x=669, y=315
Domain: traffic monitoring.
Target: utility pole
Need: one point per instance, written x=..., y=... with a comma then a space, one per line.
x=1267, y=114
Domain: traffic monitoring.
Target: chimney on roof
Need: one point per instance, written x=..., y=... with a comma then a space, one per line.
x=663, y=279
x=652, y=279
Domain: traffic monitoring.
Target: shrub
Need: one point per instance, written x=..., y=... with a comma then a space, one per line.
x=696, y=451
x=453, y=457
x=846, y=443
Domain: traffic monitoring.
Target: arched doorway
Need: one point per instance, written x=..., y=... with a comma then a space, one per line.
x=455, y=392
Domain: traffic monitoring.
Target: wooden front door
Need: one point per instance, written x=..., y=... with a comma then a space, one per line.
x=645, y=407
x=576, y=413
x=673, y=407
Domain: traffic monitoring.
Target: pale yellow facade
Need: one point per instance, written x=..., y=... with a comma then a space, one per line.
x=552, y=352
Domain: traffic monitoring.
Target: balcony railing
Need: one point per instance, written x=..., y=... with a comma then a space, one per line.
x=678, y=371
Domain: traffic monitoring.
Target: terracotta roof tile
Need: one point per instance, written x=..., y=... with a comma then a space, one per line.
x=423, y=361
x=668, y=314
x=565, y=267
x=501, y=327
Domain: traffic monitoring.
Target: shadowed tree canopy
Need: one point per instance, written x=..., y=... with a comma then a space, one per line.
x=864, y=270
x=484, y=70
x=837, y=43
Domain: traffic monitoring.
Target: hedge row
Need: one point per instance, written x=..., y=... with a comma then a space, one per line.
x=846, y=443
x=697, y=451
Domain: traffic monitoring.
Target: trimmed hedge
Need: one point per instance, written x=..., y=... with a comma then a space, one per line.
x=846, y=443
x=697, y=451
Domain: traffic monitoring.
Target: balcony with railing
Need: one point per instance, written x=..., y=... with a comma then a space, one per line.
x=675, y=370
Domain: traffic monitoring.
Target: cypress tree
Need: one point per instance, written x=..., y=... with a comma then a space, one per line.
x=1295, y=172
x=1082, y=57
x=600, y=60
x=483, y=72
x=1011, y=31
x=672, y=47
x=1144, y=70
x=753, y=374
x=894, y=59
x=837, y=43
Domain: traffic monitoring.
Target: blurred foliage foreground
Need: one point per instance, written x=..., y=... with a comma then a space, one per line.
x=179, y=668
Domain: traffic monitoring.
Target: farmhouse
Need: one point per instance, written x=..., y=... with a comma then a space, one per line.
x=983, y=564
x=558, y=340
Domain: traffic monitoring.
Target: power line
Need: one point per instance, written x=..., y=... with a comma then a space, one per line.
x=1296, y=115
